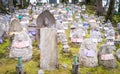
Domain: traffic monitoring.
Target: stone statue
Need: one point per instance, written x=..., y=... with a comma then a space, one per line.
x=106, y=57
x=88, y=54
x=45, y=19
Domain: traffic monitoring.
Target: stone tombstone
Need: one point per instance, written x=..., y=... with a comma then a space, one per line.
x=106, y=28
x=45, y=19
x=110, y=41
x=95, y=35
x=72, y=28
x=15, y=26
x=65, y=24
x=88, y=54
x=65, y=46
x=78, y=34
x=101, y=26
x=106, y=57
x=2, y=28
x=85, y=16
x=48, y=46
x=110, y=37
x=93, y=23
x=83, y=7
x=60, y=34
x=60, y=31
x=118, y=27
x=21, y=46
x=118, y=54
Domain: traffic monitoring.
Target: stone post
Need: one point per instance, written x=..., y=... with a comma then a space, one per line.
x=48, y=46
x=75, y=65
x=20, y=66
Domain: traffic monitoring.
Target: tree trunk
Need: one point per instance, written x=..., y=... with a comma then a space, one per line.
x=21, y=4
x=110, y=10
x=2, y=7
x=119, y=7
x=99, y=8
x=11, y=5
x=28, y=1
x=87, y=1
x=107, y=3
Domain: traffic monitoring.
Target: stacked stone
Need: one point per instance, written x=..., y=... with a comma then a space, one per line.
x=65, y=43
x=21, y=46
x=60, y=35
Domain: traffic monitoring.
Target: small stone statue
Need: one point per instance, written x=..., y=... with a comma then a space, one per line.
x=106, y=57
x=88, y=54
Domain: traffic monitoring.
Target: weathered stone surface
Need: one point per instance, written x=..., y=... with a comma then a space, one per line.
x=40, y=72
x=78, y=34
x=3, y=26
x=106, y=57
x=88, y=54
x=65, y=43
x=95, y=35
x=118, y=54
x=15, y=26
x=111, y=33
x=2, y=29
x=21, y=46
x=45, y=19
x=48, y=46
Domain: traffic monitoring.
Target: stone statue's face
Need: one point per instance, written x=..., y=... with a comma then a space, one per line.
x=46, y=22
x=89, y=45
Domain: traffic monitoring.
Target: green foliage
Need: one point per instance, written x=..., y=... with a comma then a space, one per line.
x=30, y=11
x=90, y=9
x=3, y=47
x=116, y=19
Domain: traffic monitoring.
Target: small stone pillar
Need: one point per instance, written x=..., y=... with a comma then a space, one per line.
x=75, y=65
x=48, y=46
x=20, y=66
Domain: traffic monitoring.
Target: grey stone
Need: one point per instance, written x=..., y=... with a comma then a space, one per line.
x=15, y=26
x=49, y=51
x=65, y=66
x=118, y=54
x=88, y=54
x=21, y=46
x=40, y=72
x=106, y=57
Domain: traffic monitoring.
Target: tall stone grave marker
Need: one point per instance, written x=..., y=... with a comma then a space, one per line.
x=48, y=46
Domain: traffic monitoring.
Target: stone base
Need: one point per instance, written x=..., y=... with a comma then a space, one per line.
x=20, y=69
x=75, y=68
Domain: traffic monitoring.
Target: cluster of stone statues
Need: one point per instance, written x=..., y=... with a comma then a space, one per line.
x=49, y=27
